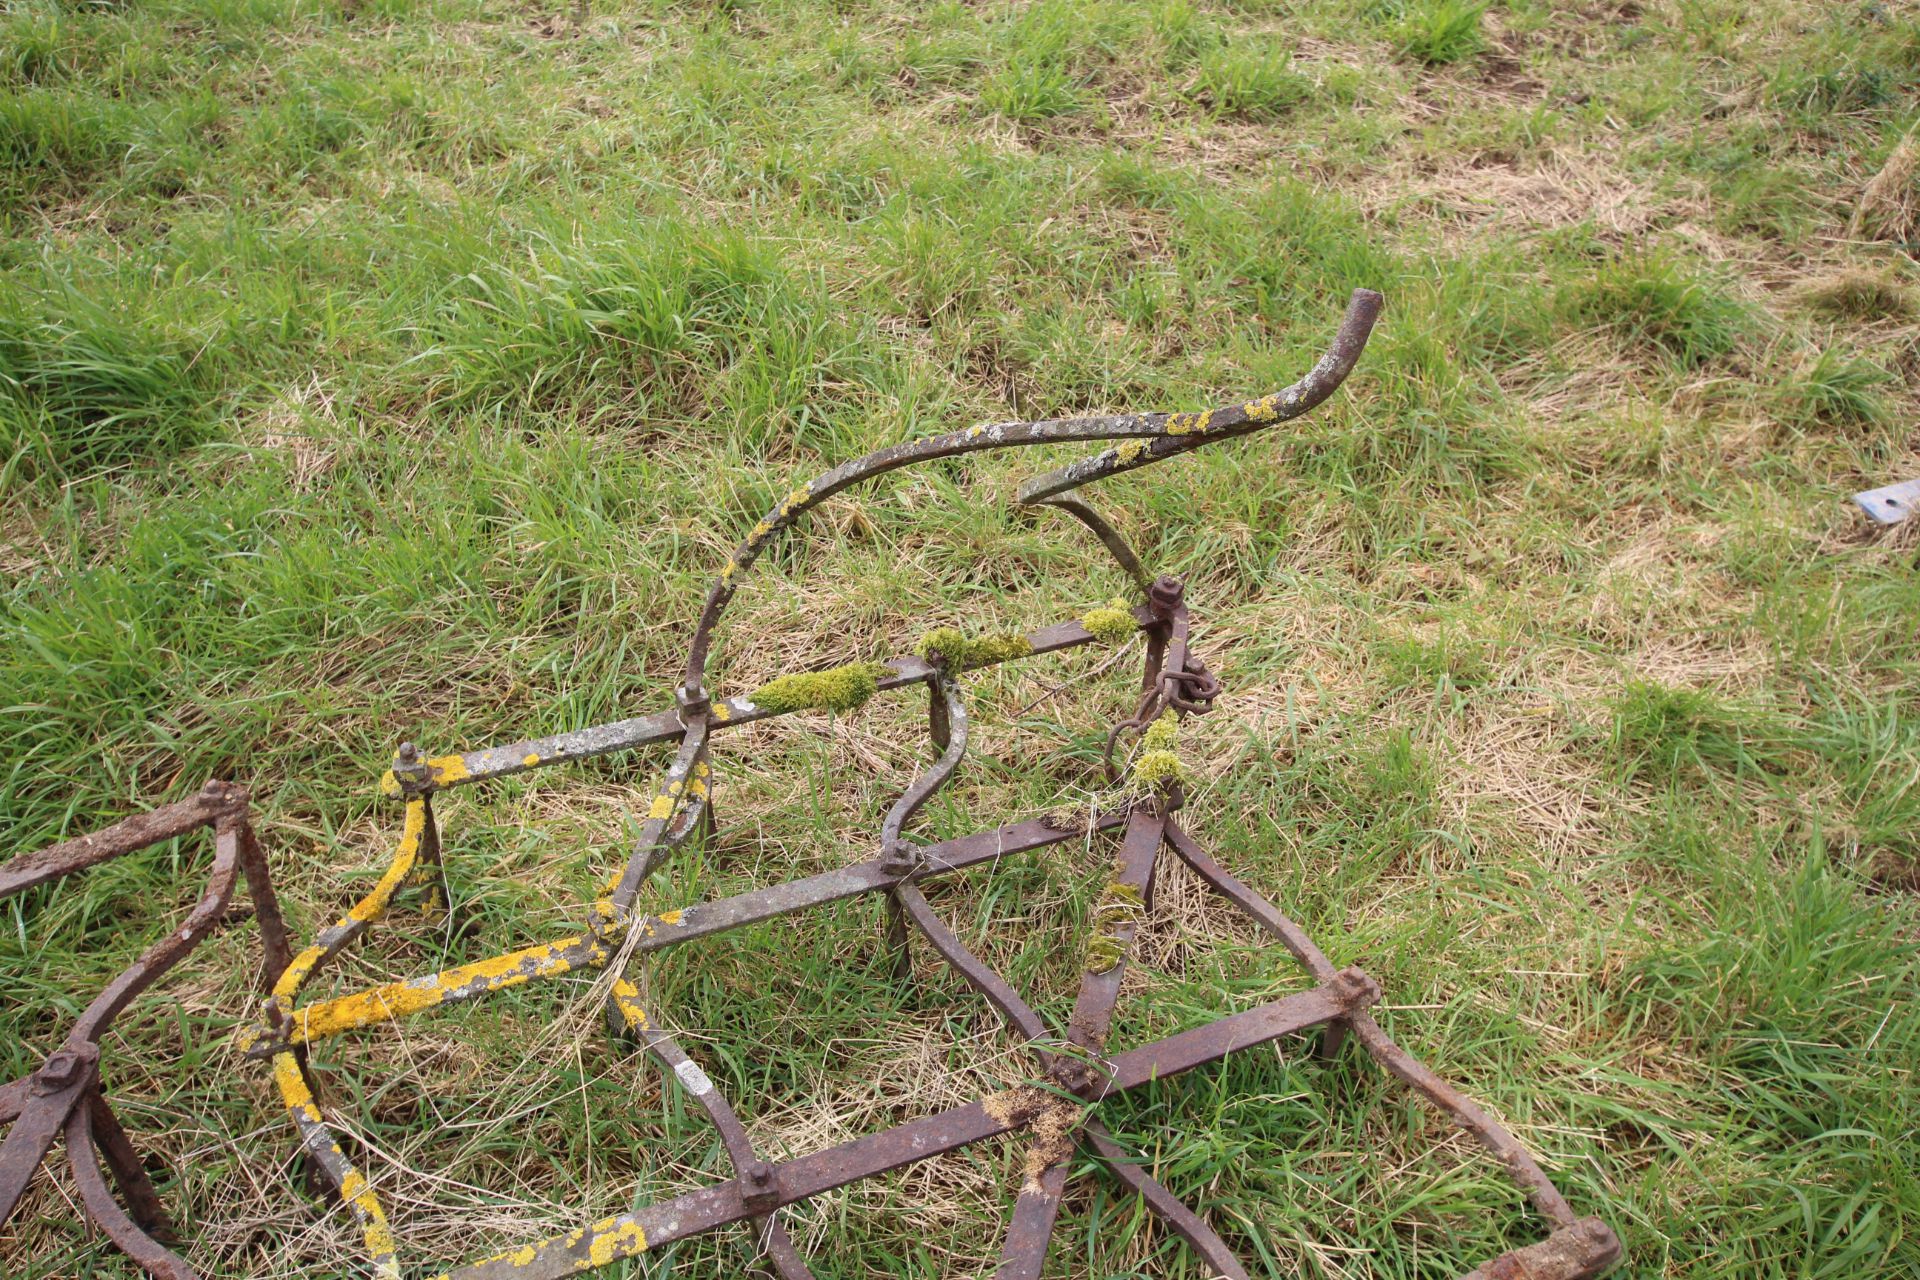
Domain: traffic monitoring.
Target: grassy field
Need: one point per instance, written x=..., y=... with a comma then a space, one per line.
x=405, y=369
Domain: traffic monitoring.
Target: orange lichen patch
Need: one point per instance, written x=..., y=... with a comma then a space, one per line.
x=365, y=911
x=399, y=999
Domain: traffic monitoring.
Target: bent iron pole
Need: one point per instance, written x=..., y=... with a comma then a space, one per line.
x=64, y=1095
x=1077, y=1071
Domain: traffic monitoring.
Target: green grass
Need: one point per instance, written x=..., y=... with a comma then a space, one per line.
x=1438, y=32
x=406, y=369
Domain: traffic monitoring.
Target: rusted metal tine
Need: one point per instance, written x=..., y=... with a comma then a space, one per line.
x=906, y=901
x=1022, y=1018
x=1149, y=437
x=1186, y=431
x=697, y=1212
x=685, y=784
x=1589, y=1238
x=896, y=856
x=123, y=837
x=64, y=1094
x=1037, y=1205
x=755, y=1174
x=1116, y=545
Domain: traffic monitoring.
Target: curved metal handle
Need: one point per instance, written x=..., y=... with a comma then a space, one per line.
x=1148, y=437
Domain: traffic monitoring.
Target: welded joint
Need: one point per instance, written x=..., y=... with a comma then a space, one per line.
x=1353, y=988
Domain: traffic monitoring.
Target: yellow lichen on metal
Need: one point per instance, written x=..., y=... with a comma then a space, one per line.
x=1265, y=409
x=400, y=999
x=298, y=1099
x=626, y=998
x=721, y=712
x=610, y=1239
x=670, y=917
x=369, y=908
x=1128, y=452
x=531, y=759
x=783, y=510
x=292, y=1083
x=373, y=1221
x=1183, y=424
x=447, y=770
x=662, y=807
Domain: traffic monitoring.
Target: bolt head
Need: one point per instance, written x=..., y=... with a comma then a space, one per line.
x=62, y=1070
x=408, y=752
x=1165, y=594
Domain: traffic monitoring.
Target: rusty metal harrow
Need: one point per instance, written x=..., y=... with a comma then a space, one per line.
x=1057, y=1111
x=63, y=1096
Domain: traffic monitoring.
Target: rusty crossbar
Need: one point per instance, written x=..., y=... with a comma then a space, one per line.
x=1056, y=1110
x=64, y=1095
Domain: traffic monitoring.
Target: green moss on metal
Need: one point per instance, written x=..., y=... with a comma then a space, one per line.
x=1103, y=953
x=836, y=689
x=1110, y=623
x=1120, y=904
x=1158, y=764
x=961, y=652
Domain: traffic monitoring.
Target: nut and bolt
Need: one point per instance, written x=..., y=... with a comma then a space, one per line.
x=1165, y=595
x=760, y=1185
x=64, y=1069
